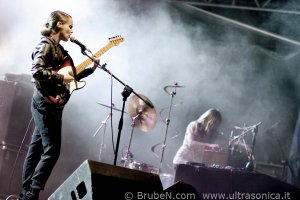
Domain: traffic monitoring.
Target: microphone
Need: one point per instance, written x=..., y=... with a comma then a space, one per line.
x=82, y=46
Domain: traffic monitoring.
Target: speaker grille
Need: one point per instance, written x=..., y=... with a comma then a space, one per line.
x=94, y=181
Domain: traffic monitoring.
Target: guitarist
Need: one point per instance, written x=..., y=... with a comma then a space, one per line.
x=48, y=57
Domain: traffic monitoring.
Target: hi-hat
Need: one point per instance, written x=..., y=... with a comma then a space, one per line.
x=172, y=86
x=112, y=107
x=145, y=116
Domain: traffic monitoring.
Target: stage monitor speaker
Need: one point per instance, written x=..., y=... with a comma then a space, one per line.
x=15, y=114
x=234, y=183
x=181, y=190
x=96, y=181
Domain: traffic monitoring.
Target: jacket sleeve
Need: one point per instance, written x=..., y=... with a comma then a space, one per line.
x=84, y=73
x=41, y=66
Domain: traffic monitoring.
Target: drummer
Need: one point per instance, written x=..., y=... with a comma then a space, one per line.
x=200, y=135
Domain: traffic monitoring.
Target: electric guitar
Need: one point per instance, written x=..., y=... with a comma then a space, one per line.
x=62, y=98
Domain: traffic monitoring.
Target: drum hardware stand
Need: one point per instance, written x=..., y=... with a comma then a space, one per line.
x=254, y=129
x=172, y=94
x=127, y=158
x=237, y=138
x=282, y=160
x=103, y=124
x=249, y=166
x=160, y=143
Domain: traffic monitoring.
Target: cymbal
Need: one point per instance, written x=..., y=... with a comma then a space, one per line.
x=146, y=116
x=172, y=86
x=113, y=107
x=153, y=147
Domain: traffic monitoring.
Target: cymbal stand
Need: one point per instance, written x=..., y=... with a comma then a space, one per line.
x=127, y=158
x=172, y=94
x=103, y=124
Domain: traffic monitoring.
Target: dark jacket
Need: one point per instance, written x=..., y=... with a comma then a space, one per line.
x=48, y=57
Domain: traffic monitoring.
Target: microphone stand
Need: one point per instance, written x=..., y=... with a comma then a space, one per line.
x=126, y=93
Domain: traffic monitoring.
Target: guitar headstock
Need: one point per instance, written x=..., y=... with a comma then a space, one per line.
x=116, y=40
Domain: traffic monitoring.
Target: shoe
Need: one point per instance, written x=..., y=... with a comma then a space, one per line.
x=21, y=195
x=24, y=191
x=30, y=196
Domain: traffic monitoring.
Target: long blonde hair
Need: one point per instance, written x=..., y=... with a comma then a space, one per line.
x=51, y=25
x=212, y=117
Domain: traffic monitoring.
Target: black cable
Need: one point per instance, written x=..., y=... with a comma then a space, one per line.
x=19, y=151
x=111, y=121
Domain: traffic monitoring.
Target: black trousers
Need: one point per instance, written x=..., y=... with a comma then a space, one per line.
x=45, y=145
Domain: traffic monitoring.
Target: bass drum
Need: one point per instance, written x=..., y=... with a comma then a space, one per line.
x=143, y=167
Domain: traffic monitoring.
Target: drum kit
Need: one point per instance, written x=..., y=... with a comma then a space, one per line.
x=144, y=118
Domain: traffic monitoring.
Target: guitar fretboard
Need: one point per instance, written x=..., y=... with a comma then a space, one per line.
x=87, y=62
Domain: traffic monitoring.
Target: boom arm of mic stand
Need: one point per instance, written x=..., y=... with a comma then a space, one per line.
x=106, y=70
x=103, y=67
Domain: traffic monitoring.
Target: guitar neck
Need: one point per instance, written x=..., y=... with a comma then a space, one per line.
x=87, y=62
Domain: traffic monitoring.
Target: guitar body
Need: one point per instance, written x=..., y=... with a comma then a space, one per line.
x=61, y=98
x=73, y=85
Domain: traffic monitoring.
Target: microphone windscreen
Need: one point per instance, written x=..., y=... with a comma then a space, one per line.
x=72, y=39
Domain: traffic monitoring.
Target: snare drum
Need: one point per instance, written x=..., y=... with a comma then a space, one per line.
x=142, y=167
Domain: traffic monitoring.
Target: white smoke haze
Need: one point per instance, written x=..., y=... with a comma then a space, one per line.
x=242, y=80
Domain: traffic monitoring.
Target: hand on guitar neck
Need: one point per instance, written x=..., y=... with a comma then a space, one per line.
x=96, y=63
x=69, y=75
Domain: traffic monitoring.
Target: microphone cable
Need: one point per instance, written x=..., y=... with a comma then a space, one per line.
x=18, y=153
x=111, y=120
